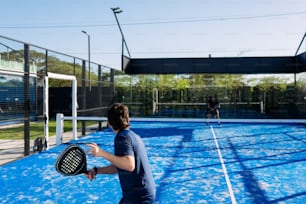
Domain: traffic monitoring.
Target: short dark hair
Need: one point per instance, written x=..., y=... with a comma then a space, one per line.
x=118, y=116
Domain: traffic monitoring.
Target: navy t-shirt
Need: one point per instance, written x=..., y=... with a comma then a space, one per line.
x=137, y=186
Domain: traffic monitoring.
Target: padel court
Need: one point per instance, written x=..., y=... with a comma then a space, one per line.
x=192, y=162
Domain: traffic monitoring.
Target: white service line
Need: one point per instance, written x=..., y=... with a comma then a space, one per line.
x=229, y=185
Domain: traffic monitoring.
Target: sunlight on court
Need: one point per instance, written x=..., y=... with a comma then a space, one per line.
x=265, y=163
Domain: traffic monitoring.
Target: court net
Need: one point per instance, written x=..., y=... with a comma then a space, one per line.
x=198, y=110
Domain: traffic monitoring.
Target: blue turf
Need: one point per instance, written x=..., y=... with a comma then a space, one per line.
x=266, y=163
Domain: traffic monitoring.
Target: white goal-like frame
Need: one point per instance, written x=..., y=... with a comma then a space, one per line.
x=73, y=102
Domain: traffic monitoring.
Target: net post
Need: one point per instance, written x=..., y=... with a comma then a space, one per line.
x=59, y=128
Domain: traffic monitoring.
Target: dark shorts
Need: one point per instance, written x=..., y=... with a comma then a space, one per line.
x=211, y=112
x=136, y=201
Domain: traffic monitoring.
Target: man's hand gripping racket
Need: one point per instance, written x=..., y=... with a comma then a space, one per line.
x=72, y=161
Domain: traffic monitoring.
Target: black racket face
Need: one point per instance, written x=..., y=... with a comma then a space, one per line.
x=72, y=161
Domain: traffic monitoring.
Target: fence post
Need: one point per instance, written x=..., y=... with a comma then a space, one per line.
x=59, y=128
x=74, y=108
x=26, y=102
x=262, y=110
x=100, y=94
x=83, y=96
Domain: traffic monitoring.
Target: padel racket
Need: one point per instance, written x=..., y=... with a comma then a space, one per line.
x=72, y=161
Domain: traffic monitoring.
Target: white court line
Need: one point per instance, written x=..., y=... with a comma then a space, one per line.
x=229, y=185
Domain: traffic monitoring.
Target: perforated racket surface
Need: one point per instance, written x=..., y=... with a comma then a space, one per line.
x=72, y=161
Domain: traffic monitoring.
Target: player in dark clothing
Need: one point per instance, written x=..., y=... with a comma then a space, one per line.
x=213, y=107
x=130, y=160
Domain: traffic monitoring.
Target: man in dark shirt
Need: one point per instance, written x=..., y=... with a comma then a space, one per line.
x=213, y=107
x=130, y=160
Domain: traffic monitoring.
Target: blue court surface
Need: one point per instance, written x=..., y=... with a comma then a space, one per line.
x=192, y=162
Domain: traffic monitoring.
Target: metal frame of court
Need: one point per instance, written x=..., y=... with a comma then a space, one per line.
x=216, y=65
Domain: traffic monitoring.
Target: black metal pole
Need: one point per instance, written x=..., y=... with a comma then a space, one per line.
x=112, y=81
x=26, y=102
x=300, y=45
x=46, y=63
x=297, y=61
x=89, y=69
x=84, y=95
x=74, y=66
x=100, y=94
x=116, y=11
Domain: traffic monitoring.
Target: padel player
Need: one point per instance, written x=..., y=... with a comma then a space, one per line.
x=213, y=107
x=130, y=160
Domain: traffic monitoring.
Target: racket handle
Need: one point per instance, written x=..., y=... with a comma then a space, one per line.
x=96, y=170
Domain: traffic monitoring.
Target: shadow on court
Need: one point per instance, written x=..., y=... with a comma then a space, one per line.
x=264, y=166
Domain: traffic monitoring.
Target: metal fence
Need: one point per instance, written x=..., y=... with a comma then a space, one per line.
x=24, y=69
x=240, y=96
x=29, y=94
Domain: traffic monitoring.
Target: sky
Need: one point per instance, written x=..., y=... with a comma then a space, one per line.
x=158, y=28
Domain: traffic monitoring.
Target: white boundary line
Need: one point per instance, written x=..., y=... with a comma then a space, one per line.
x=229, y=185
